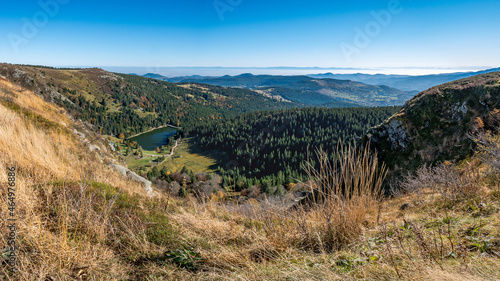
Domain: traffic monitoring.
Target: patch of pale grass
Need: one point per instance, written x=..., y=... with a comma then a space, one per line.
x=33, y=150
x=33, y=103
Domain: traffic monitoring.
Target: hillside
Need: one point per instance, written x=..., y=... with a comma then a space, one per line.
x=435, y=125
x=116, y=103
x=62, y=183
x=79, y=219
x=404, y=82
x=308, y=90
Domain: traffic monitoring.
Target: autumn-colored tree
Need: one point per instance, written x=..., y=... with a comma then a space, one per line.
x=157, y=150
x=121, y=136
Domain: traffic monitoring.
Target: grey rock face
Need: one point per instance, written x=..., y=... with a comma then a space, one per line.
x=458, y=111
x=397, y=134
x=394, y=131
x=122, y=170
x=126, y=172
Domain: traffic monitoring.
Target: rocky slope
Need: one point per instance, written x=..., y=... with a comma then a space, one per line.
x=54, y=122
x=434, y=126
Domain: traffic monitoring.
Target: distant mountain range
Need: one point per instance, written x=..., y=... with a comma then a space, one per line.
x=305, y=89
x=405, y=82
x=401, y=82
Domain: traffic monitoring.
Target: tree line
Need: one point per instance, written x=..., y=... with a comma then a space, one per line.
x=135, y=104
x=268, y=147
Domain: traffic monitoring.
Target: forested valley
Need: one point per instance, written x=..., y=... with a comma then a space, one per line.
x=268, y=147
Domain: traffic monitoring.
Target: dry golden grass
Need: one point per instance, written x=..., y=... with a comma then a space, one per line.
x=349, y=189
x=30, y=102
x=430, y=240
x=43, y=156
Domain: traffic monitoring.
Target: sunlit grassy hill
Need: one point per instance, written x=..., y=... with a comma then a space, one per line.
x=63, y=187
x=117, y=103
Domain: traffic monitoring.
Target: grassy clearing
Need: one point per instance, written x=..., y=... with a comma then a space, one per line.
x=143, y=114
x=187, y=154
x=113, y=107
x=135, y=162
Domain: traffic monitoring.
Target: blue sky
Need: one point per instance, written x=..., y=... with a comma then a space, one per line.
x=252, y=33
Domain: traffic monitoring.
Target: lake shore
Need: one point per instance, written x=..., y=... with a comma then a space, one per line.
x=161, y=127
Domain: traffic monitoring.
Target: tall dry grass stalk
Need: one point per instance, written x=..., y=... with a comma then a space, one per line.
x=347, y=188
x=354, y=176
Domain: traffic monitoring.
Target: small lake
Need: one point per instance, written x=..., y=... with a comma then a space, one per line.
x=156, y=138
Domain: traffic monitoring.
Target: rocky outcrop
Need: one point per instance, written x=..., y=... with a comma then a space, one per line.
x=132, y=175
x=434, y=125
x=393, y=131
x=105, y=156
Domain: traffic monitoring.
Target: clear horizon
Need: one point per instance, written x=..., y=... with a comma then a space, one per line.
x=218, y=71
x=221, y=71
x=387, y=37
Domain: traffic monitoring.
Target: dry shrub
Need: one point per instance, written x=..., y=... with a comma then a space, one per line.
x=488, y=142
x=489, y=150
x=180, y=177
x=202, y=176
x=251, y=192
x=446, y=179
x=453, y=182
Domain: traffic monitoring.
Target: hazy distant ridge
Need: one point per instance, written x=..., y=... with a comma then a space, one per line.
x=305, y=89
x=405, y=82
